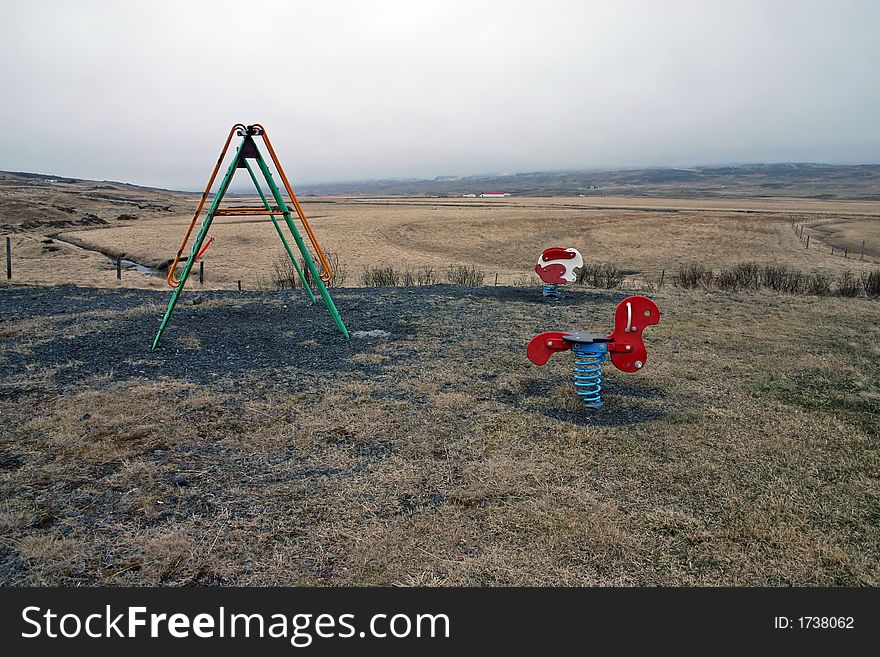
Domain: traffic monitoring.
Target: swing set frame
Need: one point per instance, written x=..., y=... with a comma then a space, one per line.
x=248, y=150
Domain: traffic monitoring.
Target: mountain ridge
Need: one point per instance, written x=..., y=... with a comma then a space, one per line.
x=858, y=181
x=795, y=179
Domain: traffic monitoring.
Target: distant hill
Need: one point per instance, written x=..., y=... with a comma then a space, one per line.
x=800, y=180
x=824, y=181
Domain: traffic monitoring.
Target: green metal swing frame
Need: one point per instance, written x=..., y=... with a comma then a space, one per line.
x=248, y=150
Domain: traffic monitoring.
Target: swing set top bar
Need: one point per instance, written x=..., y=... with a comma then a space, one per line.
x=250, y=131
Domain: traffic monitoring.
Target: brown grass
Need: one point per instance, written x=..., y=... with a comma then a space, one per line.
x=745, y=453
x=641, y=236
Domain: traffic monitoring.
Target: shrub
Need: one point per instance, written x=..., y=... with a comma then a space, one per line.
x=284, y=276
x=340, y=272
x=871, y=283
x=819, y=284
x=848, y=285
x=782, y=278
x=747, y=275
x=726, y=280
x=744, y=276
x=380, y=276
x=462, y=275
x=426, y=276
x=692, y=275
x=423, y=276
x=602, y=275
x=779, y=278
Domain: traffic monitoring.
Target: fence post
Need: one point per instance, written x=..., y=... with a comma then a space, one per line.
x=846, y=252
x=662, y=276
x=862, y=255
x=201, y=272
x=239, y=286
x=8, y=258
x=808, y=241
x=496, y=279
x=119, y=269
x=832, y=250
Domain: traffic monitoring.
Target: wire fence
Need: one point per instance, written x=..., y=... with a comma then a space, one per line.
x=813, y=240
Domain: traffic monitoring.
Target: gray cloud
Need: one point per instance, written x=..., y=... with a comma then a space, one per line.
x=145, y=92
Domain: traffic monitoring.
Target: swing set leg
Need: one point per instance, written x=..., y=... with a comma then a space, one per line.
x=183, y=278
x=276, y=194
x=299, y=270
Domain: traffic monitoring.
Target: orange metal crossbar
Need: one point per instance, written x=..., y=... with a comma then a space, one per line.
x=244, y=212
x=242, y=208
x=172, y=281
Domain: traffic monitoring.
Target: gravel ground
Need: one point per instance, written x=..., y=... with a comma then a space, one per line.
x=255, y=336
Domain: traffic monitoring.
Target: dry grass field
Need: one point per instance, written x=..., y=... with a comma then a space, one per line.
x=642, y=236
x=257, y=447
x=504, y=236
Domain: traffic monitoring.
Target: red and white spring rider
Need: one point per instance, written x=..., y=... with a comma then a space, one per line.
x=625, y=344
x=556, y=267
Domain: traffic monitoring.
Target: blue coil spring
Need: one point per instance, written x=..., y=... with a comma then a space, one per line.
x=588, y=372
x=552, y=290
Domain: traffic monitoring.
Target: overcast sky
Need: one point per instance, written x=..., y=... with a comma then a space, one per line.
x=145, y=92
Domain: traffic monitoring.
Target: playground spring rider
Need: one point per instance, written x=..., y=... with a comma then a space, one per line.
x=625, y=345
x=247, y=150
x=556, y=267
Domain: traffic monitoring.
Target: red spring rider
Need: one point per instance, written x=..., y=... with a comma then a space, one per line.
x=556, y=267
x=625, y=345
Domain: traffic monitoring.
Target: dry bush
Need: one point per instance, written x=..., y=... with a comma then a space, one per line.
x=819, y=284
x=750, y=276
x=387, y=276
x=463, y=275
x=340, y=272
x=692, y=275
x=743, y=276
x=871, y=283
x=602, y=275
x=426, y=276
x=782, y=278
x=285, y=277
x=726, y=280
x=848, y=285
x=380, y=276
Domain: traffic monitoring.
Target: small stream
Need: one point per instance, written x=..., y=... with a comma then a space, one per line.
x=126, y=264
